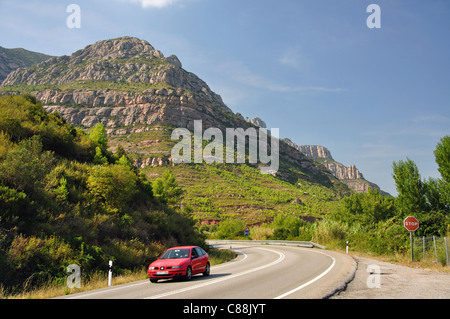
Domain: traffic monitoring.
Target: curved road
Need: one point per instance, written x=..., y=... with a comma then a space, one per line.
x=259, y=272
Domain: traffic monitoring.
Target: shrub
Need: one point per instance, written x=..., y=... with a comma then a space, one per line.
x=25, y=166
x=15, y=208
x=166, y=188
x=230, y=228
x=38, y=260
x=114, y=186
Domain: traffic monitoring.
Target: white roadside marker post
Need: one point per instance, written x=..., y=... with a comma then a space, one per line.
x=110, y=273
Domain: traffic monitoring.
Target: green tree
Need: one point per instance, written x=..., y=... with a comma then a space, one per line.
x=124, y=161
x=25, y=166
x=114, y=186
x=442, y=156
x=120, y=152
x=411, y=190
x=99, y=159
x=365, y=208
x=98, y=135
x=166, y=188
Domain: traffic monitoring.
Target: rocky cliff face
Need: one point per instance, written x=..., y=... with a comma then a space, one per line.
x=116, y=109
x=128, y=85
x=343, y=172
x=122, y=82
x=315, y=151
x=350, y=175
x=117, y=65
x=323, y=155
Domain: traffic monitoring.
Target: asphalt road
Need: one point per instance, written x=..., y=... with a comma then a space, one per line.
x=259, y=272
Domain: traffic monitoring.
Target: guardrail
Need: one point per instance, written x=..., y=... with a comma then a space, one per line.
x=308, y=244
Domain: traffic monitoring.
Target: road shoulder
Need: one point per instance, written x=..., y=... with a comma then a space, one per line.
x=376, y=279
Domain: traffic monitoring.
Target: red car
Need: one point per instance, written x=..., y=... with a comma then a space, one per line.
x=179, y=262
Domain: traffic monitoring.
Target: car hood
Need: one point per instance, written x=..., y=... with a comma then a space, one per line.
x=169, y=262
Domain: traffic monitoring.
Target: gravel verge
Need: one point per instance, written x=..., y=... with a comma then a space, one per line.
x=376, y=279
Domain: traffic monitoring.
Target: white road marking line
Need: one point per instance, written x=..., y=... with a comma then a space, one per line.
x=207, y=283
x=82, y=295
x=312, y=280
x=232, y=261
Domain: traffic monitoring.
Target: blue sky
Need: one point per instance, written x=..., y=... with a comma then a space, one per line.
x=313, y=69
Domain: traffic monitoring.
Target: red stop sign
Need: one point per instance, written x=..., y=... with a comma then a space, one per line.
x=411, y=223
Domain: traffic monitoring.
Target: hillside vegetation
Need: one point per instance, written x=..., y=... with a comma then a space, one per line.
x=225, y=198
x=65, y=199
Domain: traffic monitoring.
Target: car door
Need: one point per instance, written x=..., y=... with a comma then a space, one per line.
x=202, y=258
x=195, y=261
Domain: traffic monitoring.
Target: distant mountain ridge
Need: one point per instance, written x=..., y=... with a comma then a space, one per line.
x=12, y=59
x=126, y=74
x=121, y=60
x=125, y=83
x=350, y=175
x=129, y=86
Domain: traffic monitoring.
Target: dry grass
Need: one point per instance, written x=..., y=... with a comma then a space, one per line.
x=403, y=260
x=98, y=280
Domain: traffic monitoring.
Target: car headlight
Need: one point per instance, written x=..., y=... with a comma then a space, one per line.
x=177, y=267
x=152, y=268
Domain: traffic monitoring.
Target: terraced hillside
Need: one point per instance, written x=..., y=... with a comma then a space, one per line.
x=140, y=96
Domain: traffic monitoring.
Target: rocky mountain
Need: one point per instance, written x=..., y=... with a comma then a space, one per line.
x=315, y=151
x=323, y=155
x=123, y=81
x=129, y=86
x=350, y=175
x=257, y=122
x=12, y=59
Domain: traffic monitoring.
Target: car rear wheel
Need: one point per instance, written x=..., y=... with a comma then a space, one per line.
x=206, y=272
x=188, y=275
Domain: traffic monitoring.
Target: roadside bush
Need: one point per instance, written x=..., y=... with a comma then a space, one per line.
x=60, y=204
x=38, y=260
x=113, y=186
x=287, y=227
x=388, y=237
x=230, y=228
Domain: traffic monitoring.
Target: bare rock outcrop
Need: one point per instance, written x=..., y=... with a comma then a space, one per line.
x=315, y=151
x=128, y=85
x=349, y=175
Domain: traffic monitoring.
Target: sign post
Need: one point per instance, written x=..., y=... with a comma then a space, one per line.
x=411, y=224
x=246, y=231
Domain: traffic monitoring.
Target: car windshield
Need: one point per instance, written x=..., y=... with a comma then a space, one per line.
x=175, y=253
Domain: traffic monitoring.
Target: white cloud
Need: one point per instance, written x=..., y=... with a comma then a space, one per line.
x=292, y=58
x=394, y=150
x=154, y=3
x=431, y=118
x=240, y=73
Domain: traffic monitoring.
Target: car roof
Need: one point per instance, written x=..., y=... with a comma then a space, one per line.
x=182, y=247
